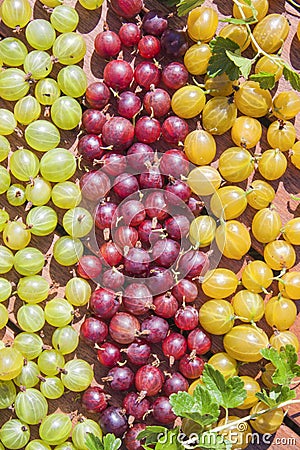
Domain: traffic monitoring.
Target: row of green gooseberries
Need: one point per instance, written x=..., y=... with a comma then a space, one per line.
x=64, y=18
x=55, y=429
x=67, y=249
x=34, y=289
x=28, y=109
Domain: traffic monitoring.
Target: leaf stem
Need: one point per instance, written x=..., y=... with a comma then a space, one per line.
x=226, y=416
x=260, y=51
x=253, y=416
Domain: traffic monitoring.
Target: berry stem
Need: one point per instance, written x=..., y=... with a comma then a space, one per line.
x=254, y=416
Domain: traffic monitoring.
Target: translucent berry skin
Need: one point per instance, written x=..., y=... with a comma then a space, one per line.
x=104, y=303
x=174, y=130
x=166, y=305
x=97, y=95
x=94, y=400
x=90, y=147
x=191, y=366
x=93, y=330
x=125, y=184
x=175, y=75
x=147, y=233
x=146, y=74
x=118, y=75
x=129, y=104
x=130, y=439
x=186, y=318
x=104, y=214
x=93, y=121
x=107, y=44
x=162, y=411
x=147, y=130
x=165, y=252
x=193, y=264
x=109, y=354
x=118, y=132
x=89, y=267
x=177, y=191
x=174, y=346
x=137, y=262
x=174, y=43
x=157, y=329
x=149, y=47
x=174, y=163
x=94, y=185
x=130, y=34
x=134, y=406
x=155, y=206
x=151, y=178
x=138, y=353
x=137, y=299
x=160, y=280
x=149, y=380
x=185, y=290
x=113, y=420
x=113, y=164
x=175, y=383
x=154, y=22
x=113, y=279
x=133, y=213
x=123, y=328
x=139, y=154
x=199, y=340
x=157, y=102
x=111, y=254
x=127, y=8
x=122, y=378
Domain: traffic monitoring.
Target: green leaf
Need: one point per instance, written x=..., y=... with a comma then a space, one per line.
x=248, y=20
x=285, y=363
x=93, y=442
x=199, y=407
x=293, y=77
x=230, y=393
x=266, y=80
x=150, y=434
x=244, y=64
x=276, y=396
x=254, y=11
x=213, y=441
x=219, y=62
x=110, y=442
x=170, y=441
x=185, y=6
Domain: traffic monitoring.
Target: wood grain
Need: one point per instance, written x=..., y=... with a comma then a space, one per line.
x=91, y=23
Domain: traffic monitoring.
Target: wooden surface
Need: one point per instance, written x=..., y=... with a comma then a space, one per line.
x=91, y=23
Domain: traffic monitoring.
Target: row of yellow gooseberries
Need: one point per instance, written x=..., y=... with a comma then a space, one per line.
x=220, y=112
x=236, y=164
x=269, y=33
